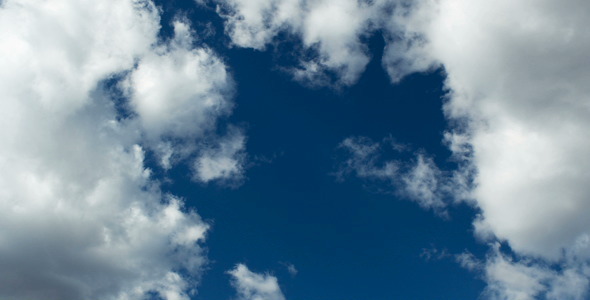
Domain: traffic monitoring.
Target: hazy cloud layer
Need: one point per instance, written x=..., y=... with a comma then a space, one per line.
x=521, y=83
x=80, y=215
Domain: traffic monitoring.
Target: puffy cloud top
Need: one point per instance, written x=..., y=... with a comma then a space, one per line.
x=254, y=286
x=80, y=215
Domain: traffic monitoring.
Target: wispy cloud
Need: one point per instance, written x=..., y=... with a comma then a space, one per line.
x=419, y=179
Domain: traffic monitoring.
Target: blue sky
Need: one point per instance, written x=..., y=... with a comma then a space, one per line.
x=291, y=209
x=294, y=149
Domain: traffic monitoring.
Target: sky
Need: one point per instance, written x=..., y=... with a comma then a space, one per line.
x=294, y=149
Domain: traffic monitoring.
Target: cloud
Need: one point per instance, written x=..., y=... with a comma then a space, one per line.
x=432, y=254
x=331, y=35
x=363, y=159
x=81, y=216
x=290, y=268
x=254, y=286
x=516, y=77
x=521, y=278
x=223, y=162
x=178, y=93
x=329, y=32
x=419, y=179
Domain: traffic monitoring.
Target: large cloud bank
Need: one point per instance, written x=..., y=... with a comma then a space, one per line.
x=517, y=76
x=518, y=73
x=80, y=215
x=253, y=286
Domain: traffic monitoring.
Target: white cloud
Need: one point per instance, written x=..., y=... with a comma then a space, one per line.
x=292, y=270
x=80, y=216
x=254, y=286
x=468, y=261
x=331, y=35
x=521, y=278
x=517, y=72
x=512, y=280
x=419, y=180
x=178, y=91
x=222, y=162
x=517, y=76
x=363, y=160
x=331, y=29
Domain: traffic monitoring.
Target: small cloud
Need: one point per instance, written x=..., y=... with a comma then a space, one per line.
x=224, y=162
x=418, y=179
x=430, y=254
x=254, y=286
x=290, y=268
x=468, y=261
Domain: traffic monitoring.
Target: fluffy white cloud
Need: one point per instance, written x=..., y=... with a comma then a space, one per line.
x=330, y=29
x=80, y=216
x=254, y=286
x=332, y=34
x=524, y=279
x=222, y=162
x=178, y=91
x=518, y=73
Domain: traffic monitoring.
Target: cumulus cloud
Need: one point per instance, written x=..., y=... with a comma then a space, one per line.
x=291, y=269
x=80, y=215
x=178, y=91
x=222, y=162
x=330, y=33
x=254, y=286
x=517, y=77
